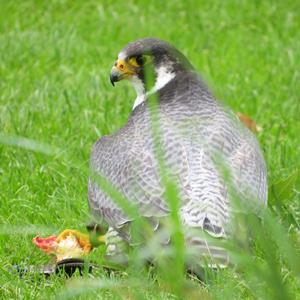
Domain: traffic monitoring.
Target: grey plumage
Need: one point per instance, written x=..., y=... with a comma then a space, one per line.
x=196, y=132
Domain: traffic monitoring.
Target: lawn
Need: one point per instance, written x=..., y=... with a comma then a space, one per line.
x=56, y=101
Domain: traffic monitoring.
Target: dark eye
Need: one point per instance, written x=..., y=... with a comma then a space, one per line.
x=140, y=60
x=136, y=61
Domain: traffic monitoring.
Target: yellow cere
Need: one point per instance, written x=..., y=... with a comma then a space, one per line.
x=124, y=67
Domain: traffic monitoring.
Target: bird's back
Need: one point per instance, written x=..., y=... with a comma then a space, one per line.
x=200, y=138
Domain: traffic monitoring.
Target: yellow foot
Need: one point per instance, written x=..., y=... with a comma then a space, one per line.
x=96, y=239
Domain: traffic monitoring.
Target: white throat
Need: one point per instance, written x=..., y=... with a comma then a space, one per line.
x=163, y=76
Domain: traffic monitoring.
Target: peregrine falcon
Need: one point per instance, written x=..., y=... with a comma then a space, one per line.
x=195, y=129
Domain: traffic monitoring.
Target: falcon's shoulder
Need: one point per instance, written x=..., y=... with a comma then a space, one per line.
x=126, y=159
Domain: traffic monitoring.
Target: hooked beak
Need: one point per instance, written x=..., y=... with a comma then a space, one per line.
x=119, y=71
x=115, y=75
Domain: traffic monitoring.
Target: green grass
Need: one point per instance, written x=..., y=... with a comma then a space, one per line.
x=54, y=89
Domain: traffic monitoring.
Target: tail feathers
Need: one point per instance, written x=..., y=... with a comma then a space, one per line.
x=200, y=250
x=207, y=252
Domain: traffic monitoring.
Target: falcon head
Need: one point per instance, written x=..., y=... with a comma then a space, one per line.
x=132, y=61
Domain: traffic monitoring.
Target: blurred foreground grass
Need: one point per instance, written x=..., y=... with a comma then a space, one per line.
x=54, y=89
